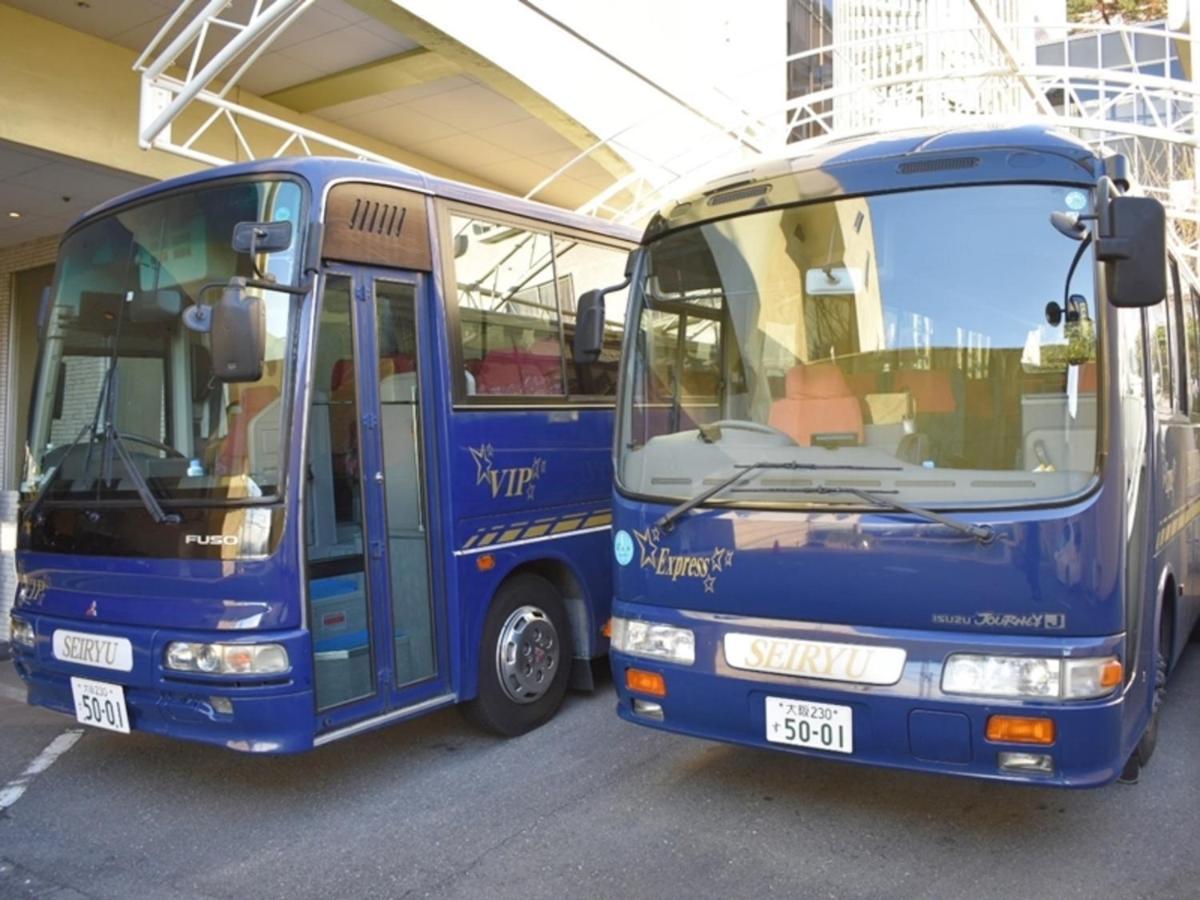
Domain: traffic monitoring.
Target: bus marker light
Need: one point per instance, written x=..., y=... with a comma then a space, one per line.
x=1037, y=763
x=1111, y=674
x=644, y=682
x=221, y=705
x=607, y=629
x=1020, y=730
x=485, y=563
x=648, y=708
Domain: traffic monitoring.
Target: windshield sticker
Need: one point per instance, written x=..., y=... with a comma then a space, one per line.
x=513, y=481
x=623, y=547
x=662, y=561
x=1048, y=621
x=1075, y=200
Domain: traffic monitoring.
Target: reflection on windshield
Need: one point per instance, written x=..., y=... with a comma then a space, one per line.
x=116, y=348
x=904, y=329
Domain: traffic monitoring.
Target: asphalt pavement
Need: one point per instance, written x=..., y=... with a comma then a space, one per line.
x=587, y=806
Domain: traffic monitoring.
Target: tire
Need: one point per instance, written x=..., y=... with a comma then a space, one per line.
x=1149, y=740
x=524, y=658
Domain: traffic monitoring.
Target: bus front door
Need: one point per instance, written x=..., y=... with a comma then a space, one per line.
x=377, y=649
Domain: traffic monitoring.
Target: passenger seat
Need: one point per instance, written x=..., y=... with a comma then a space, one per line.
x=817, y=401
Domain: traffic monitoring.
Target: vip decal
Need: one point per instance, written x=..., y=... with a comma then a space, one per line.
x=31, y=590
x=1047, y=621
x=662, y=561
x=513, y=481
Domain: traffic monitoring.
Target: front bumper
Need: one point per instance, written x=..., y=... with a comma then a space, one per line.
x=269, y=714
x=907, y=725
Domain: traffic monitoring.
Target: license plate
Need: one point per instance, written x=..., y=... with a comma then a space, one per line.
x=100, y=704
x=803, y=723
x=97, y=650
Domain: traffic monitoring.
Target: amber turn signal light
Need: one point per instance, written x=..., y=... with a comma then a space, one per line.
x=1020, y=730
x=485, y=563
x=607, y=629
x=1111, y=674
x=644, y=682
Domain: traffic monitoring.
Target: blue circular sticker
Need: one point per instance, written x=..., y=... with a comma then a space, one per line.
x=623, y=547
x=1075, y=200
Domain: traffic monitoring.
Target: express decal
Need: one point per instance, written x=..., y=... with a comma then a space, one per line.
x=662, y=561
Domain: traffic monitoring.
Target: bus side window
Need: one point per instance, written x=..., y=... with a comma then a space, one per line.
x=507, y=309
x=1191, y=328
x=1159, y=332
x=1181, y=369
x=581, y=267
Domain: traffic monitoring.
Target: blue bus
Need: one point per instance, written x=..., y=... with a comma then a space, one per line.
x=306, y=457
x=906, y=460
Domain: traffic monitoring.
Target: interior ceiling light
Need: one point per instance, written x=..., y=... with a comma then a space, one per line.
x=14, y=215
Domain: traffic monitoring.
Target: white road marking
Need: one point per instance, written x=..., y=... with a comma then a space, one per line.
x=11, y=792
x=12, y=693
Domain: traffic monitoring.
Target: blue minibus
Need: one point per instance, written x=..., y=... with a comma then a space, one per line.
x=906, y=459
x=306, y=457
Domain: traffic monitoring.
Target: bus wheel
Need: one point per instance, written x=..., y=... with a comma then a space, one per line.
x=525, y=658
x=1149, y=740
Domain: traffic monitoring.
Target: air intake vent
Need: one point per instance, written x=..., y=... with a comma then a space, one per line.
x=374, y=217
x=378, y=225
x=745, y=193
x=937, y=165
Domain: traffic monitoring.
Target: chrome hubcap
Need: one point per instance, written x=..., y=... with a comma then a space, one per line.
x=527, y=654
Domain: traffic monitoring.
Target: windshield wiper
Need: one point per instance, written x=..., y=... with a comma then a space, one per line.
x=667, y=521
x=985, y=534
x=112, y=438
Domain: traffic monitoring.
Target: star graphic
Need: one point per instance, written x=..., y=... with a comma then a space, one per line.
x=483, y=462
x=539, y=467
x=709, y=584
x=728, y=558
x=529, y=492
x=717, y=559
x=647, y=542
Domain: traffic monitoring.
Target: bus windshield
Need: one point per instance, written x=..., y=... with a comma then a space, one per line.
x=900, y=343
x=116, y=349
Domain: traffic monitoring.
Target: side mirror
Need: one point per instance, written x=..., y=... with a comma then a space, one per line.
x=589, y=327
x=262, y=237
x=1136, y=251
x=238, y=335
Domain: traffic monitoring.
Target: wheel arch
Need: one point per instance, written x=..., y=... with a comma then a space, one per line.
x=562, y=575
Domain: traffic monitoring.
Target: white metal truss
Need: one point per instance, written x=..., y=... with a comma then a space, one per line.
x=190, y=69
x=894, y=63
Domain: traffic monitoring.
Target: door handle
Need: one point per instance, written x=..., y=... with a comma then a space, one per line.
x=412, y=409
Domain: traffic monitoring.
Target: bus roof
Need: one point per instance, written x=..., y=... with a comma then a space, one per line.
x=901, y=160
x=321, y=171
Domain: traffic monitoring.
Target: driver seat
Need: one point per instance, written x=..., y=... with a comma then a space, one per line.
x=817, y=400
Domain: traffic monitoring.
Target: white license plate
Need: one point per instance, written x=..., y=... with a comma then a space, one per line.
x=97, y=650
x=100, y=704
x=803, y=723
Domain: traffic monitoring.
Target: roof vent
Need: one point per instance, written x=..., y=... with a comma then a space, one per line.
x=374, y=217
x=916, y=167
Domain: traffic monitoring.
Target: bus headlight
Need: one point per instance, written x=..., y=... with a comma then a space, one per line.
x=21, y=632
x=227, y=659
x=1031, y=676
x=653, y=640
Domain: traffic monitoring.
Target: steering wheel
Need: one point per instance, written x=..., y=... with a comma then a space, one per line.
x=747, y=425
